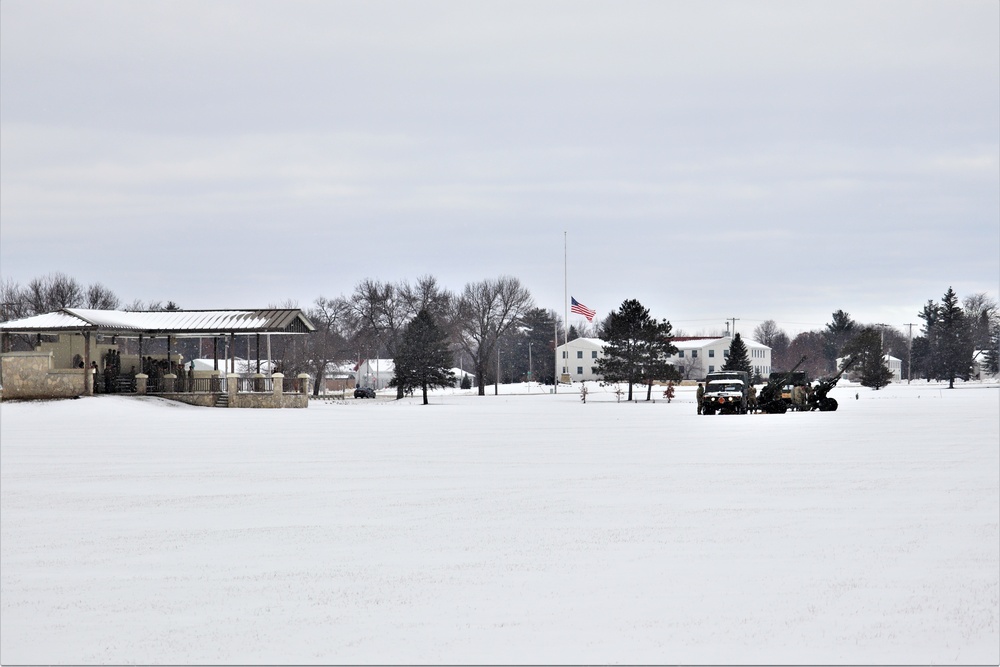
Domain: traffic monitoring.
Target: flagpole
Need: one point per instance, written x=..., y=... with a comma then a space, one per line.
x=565, y=291
x=555, y=368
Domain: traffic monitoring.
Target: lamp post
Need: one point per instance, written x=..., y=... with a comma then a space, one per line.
x=531, y=375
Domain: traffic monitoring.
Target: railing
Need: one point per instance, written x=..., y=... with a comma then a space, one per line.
x=261, y=385
x=123, y=385
x=212, y=385
x=154, y=385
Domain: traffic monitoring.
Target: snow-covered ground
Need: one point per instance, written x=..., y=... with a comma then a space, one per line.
x=527, y=528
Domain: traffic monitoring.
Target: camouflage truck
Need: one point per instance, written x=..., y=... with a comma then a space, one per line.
x=726, y=393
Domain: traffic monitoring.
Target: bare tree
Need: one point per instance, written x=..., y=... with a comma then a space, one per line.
x=100, y=297
x=982, y=314
x=689, y=367
x=52, y=292
x=487, y=310
x=765, y=332
x=328, y=344
x=13, y=301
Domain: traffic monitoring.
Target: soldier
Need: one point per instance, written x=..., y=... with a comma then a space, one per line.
x=752, y=400
x=700, y=397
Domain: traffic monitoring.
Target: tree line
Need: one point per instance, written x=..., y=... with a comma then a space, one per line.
x=493, y=331
x=952, y=333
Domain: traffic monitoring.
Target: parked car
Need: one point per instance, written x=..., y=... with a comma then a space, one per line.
x=364, y=392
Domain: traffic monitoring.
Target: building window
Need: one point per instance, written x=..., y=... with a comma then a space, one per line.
x=680, y=353
x=694, y=354
x=579, y=370
x=711, y=369
x=711, y=353
x=565, y=356
x=565, y=370
x=725, y=353
x=593, y=354
x=579, y=354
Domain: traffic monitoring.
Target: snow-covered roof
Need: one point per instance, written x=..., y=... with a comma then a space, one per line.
x=180, y=322
x=592, y=343
x=699, y=343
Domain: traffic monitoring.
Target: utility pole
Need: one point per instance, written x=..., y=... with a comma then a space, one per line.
x=909, y=354
x=733, y=320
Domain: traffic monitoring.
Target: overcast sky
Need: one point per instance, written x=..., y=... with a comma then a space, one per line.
x=711, y=159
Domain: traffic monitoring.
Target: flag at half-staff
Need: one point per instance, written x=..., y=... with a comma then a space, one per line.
x=581, y=309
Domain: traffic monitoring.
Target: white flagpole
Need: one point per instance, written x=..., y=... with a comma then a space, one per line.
x=565, y=291
x=555, y=369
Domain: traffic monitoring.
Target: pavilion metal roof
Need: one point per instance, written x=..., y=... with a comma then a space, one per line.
x=175, y=322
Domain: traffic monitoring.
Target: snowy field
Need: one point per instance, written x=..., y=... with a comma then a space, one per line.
x=512, y=529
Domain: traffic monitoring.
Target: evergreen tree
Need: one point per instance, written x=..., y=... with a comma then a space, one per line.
x=872, y=365
x=739, y=358
x=954, y=340
x=638, y=347
x=991, y=362
x=424, y=358
x=838, y=333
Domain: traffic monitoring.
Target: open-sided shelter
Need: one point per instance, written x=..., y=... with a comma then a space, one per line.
x=75, y=350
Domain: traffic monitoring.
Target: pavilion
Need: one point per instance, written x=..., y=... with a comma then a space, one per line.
x=71, y=350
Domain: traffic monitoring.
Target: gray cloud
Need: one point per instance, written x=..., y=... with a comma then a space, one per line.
x=840, y=155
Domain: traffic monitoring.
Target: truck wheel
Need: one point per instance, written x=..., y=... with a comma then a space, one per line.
x=828, y=405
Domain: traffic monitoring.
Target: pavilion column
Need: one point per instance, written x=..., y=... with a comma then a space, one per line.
x=215, y=353
x=88, y=375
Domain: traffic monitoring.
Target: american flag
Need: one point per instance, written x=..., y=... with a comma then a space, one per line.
x=581, y=309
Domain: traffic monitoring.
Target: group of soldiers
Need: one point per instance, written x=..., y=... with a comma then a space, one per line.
x=113, y=380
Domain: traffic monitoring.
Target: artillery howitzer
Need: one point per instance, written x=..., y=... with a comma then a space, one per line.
x=819, y=400
x=769, y=400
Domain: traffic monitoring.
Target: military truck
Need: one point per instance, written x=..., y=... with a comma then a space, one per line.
x=726, y=393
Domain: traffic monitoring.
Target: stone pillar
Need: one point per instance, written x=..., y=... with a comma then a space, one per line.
x=232, y=384
x=169, y=383
x=303, y=383
x=258, y=382
x=140, y=383
x=278, y=389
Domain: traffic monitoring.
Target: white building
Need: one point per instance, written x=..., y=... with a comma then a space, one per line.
x=694, y=358
x=896, y=366
x=698, y=356
x=578, y=359
x=375, y=373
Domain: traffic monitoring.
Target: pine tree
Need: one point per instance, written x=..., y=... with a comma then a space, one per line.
x=739, y=358
x=637, y=349
x=948, y=353
x=872, y=367
x=424, y=358
x=991, y=363
x=838, y=333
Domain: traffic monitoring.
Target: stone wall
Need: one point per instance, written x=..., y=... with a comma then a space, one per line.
x=29, y=375
x=201, y=400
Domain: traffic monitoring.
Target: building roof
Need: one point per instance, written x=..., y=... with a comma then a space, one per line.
x=594, y=343
x=177, y=322
x=696, y=343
